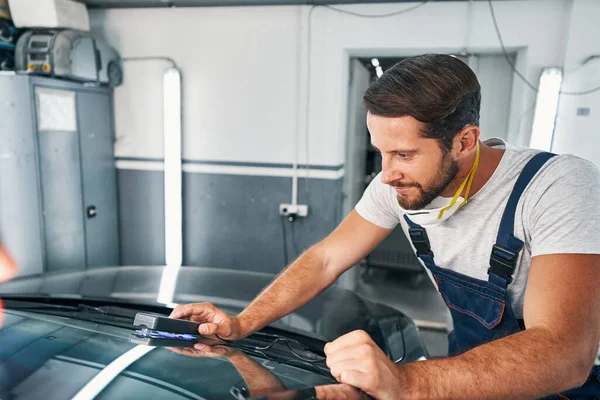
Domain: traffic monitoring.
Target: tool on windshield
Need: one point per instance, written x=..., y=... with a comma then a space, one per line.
x=156, y=322
x=156, y=338
x=161, y=328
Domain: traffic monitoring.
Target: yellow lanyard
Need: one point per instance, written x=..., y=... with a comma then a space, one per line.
x=468, y=182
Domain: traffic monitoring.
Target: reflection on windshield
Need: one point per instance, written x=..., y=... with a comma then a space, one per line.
x=8, y=269
x=258, y=380
x=325, y=392
x=108, y=374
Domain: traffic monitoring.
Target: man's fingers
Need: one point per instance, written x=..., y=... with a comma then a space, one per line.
x=214, y=329
x=180, y=350
x=338, y=392
x=355, y=378
x=200, y=311
x=208, y=329
x=351, y=364
x=360, y=352
x=348, y=340
x=209, y=351
x=346, y=354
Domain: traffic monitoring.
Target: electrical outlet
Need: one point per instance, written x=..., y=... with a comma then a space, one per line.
x=299, y=210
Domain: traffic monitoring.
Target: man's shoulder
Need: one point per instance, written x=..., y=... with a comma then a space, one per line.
x=568, y=167
x=560, y=167
x=565, y=181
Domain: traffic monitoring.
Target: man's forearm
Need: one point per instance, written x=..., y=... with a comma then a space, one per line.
x=529, y=364
x=293, y=288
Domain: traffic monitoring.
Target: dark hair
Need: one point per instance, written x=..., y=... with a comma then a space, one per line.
x=437, y=89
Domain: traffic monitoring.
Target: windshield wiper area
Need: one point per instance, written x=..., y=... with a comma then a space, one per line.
x=107, y=314
x=261, y=341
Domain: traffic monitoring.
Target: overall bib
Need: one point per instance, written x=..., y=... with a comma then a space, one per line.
x=481, y=310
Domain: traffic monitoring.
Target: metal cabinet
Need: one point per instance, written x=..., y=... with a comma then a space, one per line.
x=58, y=182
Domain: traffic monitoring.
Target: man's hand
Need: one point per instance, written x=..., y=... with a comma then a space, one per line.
x=356, y=360
x=213, y=321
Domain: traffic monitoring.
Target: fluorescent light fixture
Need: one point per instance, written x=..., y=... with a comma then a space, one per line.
x=110, y=372
x=379, y=71
x=168, y=283
x=375, y=62
x=546, y=108
x=173, y=193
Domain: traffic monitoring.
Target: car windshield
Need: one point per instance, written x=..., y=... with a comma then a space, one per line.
x=81, y=323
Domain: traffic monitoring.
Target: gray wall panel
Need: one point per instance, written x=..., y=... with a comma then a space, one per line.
x=233, y=221
x=20, y=208
x=230, y=221
x=142, y=221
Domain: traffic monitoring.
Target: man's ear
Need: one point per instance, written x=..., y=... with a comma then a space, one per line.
x=466, y=141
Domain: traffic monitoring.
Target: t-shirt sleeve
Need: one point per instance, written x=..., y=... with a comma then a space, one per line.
x=565, y=211
x=378, y=205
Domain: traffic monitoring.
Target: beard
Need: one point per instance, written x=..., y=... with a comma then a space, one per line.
x=434, y=188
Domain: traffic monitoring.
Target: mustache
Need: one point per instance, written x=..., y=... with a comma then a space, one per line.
x=404, y=185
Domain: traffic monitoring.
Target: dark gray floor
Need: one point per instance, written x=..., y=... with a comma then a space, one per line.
x=417, y=298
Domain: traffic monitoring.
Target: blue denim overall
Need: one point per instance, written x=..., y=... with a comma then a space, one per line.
x=481, y=310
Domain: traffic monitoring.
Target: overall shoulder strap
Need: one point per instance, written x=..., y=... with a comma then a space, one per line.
x=505, y=252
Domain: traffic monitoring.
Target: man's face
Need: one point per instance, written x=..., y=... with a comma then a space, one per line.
x=415, y=166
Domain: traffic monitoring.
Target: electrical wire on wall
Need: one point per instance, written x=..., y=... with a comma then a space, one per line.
x=292, y=221
x=307, y=113
x=386, y=15
x=294, y=243
x=286, y=259
x=308, y=71
x=512, y=65
x=151, y=58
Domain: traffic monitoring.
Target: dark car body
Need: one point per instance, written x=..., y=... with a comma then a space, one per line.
x=68, y=334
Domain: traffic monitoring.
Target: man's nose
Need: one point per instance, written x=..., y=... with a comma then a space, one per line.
x=389, y=174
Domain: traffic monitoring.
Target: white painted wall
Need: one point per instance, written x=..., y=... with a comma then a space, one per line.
x=239, y=71
x=580, y=135
x=244, y=69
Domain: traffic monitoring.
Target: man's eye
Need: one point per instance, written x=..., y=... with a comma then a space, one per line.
x=402, y=156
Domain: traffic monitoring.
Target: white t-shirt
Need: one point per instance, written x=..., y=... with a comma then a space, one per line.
x=559, y=212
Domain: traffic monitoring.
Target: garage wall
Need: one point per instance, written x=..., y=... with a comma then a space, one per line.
x=245, y=85
x=579, y=134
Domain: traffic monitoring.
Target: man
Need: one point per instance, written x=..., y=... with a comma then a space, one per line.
x=518, y=264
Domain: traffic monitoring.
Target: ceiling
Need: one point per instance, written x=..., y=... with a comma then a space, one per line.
x=227, y=3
